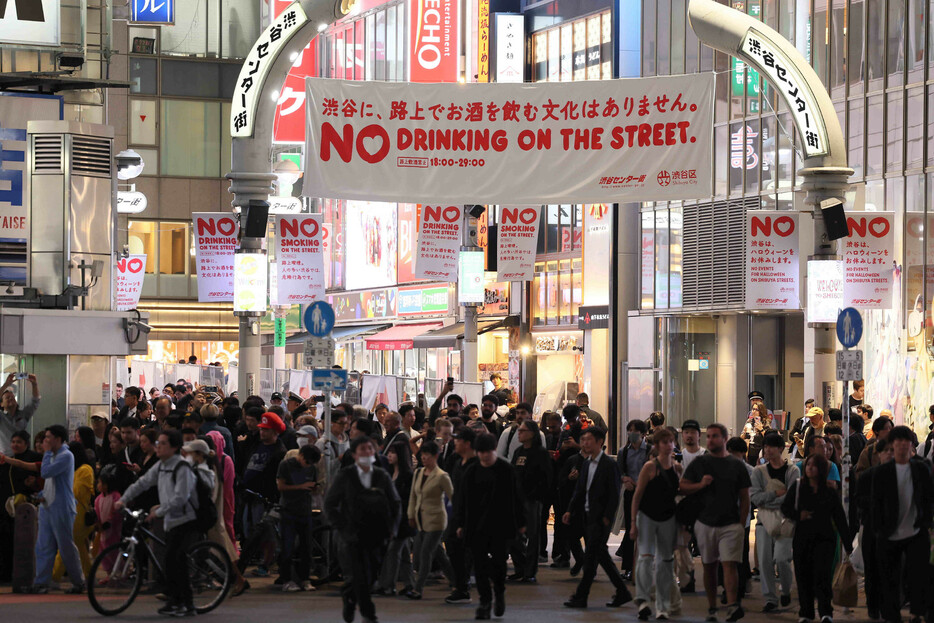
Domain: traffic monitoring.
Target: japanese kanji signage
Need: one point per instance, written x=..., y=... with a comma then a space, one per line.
x=259, y=61
x=784, y=76
x=868, y=260
x=300, y=258
x=483, y=40
x=517, y=240
x=772, y=260
x=510, y=47
x=215, y=244
x=433, y=49
x=604, y=141
x=128, y=281
x=289, y=125
x=439, y=240
x=152, y=11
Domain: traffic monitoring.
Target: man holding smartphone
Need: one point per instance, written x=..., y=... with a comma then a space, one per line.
x=12, y=417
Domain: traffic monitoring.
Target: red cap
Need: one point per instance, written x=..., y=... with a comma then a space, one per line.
x=272, y=422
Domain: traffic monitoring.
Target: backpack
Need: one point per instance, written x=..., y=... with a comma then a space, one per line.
x=206, y=512
x=371, y=516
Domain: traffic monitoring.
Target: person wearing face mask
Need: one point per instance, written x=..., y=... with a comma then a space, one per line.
x=631, y=460
x=364, y=507
x=305, y=435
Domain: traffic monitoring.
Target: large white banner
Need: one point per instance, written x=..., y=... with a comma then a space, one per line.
x=516, y=242
x=772, y=260
x=868, y=260
x=215, y=244
x=439, y=241
x=594, y=142
x=128, y=281
x=300, y=259
x=33, y=22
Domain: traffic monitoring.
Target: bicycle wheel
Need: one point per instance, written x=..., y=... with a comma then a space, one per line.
x=211, y=574
x=112, y=591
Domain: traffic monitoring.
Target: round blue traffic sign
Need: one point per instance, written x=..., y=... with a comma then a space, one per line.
x=849, y=327
x=319, y=319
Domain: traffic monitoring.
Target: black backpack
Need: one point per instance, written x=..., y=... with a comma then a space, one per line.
x=206, y=512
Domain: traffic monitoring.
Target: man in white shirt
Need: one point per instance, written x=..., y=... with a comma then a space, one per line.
x=509, y=439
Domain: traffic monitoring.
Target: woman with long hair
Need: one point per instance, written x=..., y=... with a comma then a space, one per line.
x=84, y=501
x=533, y=467
x=819, y=515
x=398, y=560
x=85, y=434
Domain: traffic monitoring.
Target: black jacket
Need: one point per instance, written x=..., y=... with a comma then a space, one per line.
x=885, y=496
x=603, y=494
x=340, y=503
x=533, y=471
x=487, y=502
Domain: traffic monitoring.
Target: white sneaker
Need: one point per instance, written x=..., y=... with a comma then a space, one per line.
x=661, y=616
x=308, y=586
x=291, y=587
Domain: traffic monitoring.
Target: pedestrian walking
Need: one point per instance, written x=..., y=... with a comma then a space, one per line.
x=595, y=500
x=819, y=517
x=427, y=513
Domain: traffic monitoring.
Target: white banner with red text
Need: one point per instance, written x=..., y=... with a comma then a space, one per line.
x=516, y=242
x=128, y=281
x=439, y=242
x=453, y=144
x=868, y=260
x=215, y=244
x=772, y=272
x=300, y=259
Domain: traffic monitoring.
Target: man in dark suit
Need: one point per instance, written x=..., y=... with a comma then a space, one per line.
x=595, y=499
x=902, y=496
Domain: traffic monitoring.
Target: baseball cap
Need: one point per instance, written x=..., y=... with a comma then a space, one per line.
x=100, y=412
x=466, y=434
x=307, y=430
x=197, y=445
x=272, y=422
x=276, y=396
x=815, y=411
x=690, y=424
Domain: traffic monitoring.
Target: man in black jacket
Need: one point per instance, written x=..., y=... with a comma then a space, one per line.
x=902, y=494
x=488, y=514
x=595, y=499
x=363, y=505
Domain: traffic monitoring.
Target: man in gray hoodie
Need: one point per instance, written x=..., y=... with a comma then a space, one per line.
x=178, y=502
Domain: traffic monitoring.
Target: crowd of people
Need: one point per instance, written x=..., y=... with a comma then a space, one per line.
x=453, y=492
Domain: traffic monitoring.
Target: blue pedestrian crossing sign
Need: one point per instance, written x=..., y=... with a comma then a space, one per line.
x=319, y=319
x=849, y=327
x=329, y=379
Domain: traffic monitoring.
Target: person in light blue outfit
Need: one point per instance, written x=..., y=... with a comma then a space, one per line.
x=57, y=513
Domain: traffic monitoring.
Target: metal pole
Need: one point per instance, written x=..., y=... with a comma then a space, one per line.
x=845, y=476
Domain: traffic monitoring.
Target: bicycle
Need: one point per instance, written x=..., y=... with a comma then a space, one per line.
x=111, y=592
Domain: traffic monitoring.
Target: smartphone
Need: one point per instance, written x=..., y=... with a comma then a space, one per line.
x=450, y=380
x=211, y=389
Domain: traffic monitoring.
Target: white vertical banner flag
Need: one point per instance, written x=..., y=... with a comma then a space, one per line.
x=128, y=281
x=215, y=243
x=299, y=259
x=868, y=260
x=772, y=260
x=516, y=242
x=439, y=241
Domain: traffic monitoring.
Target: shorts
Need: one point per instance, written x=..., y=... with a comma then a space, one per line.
x=719, y=543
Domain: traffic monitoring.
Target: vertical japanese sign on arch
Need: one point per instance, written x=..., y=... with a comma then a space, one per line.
x=453, y=144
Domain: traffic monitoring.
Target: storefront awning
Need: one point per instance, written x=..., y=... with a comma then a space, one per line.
x=448, y=336
x=399, y=337
x=296, y=343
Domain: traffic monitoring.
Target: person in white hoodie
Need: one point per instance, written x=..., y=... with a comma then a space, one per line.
x=509, y=439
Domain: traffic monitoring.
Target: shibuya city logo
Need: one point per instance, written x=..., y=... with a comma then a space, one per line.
x=678, y=178
x=664, y=178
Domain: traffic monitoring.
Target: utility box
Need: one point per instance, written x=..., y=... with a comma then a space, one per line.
x=70, y=210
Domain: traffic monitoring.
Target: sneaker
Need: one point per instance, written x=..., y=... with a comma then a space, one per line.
x=457, y=597
x=712, y=616
x=308, y=586
x=770, y=606
x=644, y=612
x=830, y=619
x=515, y=577
x=291, y=587
x=560, y=564
x=483, y=612
x=260, y=572
x=736, y=612
x=167, y=610
x=688, y=588
x=661, y=616
x=804, y=620
x=785, y=600
x=184, y=611
x=39, y=589
x=76, y=589
x=542, y=560
x=413, y=594
x=499, y=603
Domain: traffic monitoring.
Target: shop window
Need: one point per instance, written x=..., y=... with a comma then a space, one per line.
x=649, y=40
x=895, y=56
x=856, y=136
x=663, y=36
x=677, y=36
x=141, y=132
x=856, y=55
x=874, y=137
x=196, y=29
x=166, y=246
x=143, y=75
x=916, y=48
x=875, y=20
x=722, y=161
x=690, y=389
x=838, y=50
x=914, y=137
x=769, y=145
x=556, y=292
x=647, y=260
x=191, y=138
x=675, y=237
x=661, y=259
x=240, y=27
x=819, y=41
x=893, y=132
x=913, y=269
x=370, y=47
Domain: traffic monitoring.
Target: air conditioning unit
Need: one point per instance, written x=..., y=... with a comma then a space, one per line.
x=71, y=211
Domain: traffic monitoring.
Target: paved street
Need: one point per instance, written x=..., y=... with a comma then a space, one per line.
x=524, y=603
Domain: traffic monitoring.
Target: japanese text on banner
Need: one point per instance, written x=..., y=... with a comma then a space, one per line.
x=215, y=243
x=439, y=240
x=603, y=141
x=300, y=259
x=772, y=271
x=128, y=281
x=868, y=261
x=517, y=239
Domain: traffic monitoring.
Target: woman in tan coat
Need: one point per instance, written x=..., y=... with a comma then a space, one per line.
x=428, y=513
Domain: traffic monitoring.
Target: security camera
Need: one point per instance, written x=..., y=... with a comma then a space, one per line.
x=129, y=164
x=139, y=325
x=475, y=211
x=70, y=60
